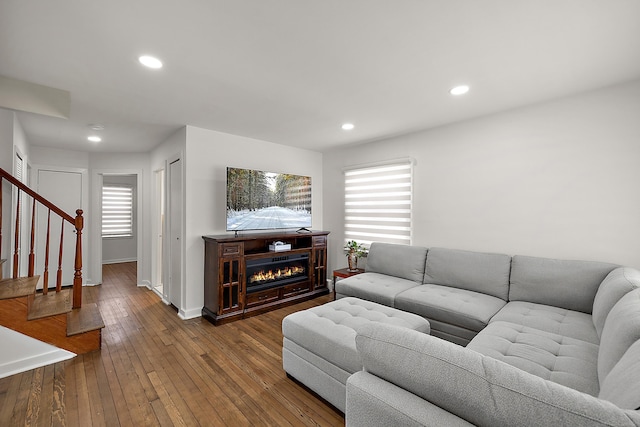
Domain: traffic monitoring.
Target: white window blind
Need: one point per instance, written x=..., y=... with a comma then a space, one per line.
x=18, y=168
x=117, y=211
x=378, y=203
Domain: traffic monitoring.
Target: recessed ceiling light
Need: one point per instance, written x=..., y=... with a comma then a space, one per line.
x=150, y=61
x=347, y=126
x=94, y=138
x=459, y=90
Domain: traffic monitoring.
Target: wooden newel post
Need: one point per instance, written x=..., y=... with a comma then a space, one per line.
x=77, y=275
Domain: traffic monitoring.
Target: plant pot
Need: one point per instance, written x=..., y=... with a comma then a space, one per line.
x=352, y=261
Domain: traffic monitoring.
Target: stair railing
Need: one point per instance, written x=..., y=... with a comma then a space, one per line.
x=77, y=223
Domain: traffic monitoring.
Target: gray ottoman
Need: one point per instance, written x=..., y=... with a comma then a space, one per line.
x=319, y=347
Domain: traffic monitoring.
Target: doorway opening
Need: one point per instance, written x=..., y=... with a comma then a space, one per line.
x=119, y=227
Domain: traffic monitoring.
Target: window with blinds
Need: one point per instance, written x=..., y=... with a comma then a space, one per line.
x=18, y=166
x=117, y=211
x=378, y=203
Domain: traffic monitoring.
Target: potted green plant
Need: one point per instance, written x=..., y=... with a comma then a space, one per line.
x=354, y=250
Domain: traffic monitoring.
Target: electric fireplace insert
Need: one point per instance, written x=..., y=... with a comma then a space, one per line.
x=274, y=271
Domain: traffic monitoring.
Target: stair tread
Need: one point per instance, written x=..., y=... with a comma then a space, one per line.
x=49, y=305
x=84, y=319
x=20, y=287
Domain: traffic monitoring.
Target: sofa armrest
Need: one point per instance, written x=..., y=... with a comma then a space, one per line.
x=477, y=388
x=372, y=401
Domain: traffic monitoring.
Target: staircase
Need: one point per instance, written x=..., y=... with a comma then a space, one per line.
x=53, y=315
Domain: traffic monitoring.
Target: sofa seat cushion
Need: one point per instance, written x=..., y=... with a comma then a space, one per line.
x=563, y=360
x=375, y=287
x=568, y=323
x=459, y=307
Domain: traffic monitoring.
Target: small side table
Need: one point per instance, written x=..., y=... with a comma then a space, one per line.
x=344, y=273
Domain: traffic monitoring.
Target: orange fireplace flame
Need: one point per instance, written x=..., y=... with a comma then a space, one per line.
x=264, y=276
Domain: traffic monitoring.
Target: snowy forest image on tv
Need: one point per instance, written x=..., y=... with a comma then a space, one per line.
x=258, y=200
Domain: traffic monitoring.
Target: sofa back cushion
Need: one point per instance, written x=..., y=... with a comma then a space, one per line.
x=621, y=330
x=560, y=283
x=406, y=262
x=617, y=284
x=622, y=385
x=473, y=271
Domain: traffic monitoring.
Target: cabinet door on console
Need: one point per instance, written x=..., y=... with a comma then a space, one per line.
x=319, y=261
x=231, y=297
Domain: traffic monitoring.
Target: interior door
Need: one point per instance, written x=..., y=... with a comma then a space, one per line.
x=159, y=231
x=175, y=232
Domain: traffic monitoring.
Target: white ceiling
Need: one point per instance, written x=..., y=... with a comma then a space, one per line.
x=292, y=71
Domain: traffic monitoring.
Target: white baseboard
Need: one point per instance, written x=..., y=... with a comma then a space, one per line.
x=190, y=314
x=118, y=261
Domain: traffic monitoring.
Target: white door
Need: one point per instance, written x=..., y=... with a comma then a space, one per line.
x=63, y=189
x=159, y=231
x=175, y=232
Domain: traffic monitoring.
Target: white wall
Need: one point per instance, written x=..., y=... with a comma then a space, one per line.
x=59, y=157
x=6, y=139
x=208, y=154
x=12, y=140
x=122, y=249
x=556, y=180
x=6, y=163
x=20, y=142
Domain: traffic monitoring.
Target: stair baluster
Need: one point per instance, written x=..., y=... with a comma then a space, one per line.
x=32, y=256
x=16, y=250
x=45, y=273
x=59, y=273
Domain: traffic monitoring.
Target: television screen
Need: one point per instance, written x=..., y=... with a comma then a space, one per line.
x=258, y=200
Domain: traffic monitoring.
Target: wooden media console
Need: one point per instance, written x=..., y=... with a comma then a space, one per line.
x=243, y=277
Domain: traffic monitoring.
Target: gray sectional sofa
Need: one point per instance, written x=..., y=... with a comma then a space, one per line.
x=514, y=341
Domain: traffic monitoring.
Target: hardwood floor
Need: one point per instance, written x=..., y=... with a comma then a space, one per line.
x=156, y=369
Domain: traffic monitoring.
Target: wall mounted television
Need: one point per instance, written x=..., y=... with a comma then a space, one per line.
x=258, y=200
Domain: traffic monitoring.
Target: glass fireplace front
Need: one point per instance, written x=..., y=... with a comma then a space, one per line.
x=265, y=273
